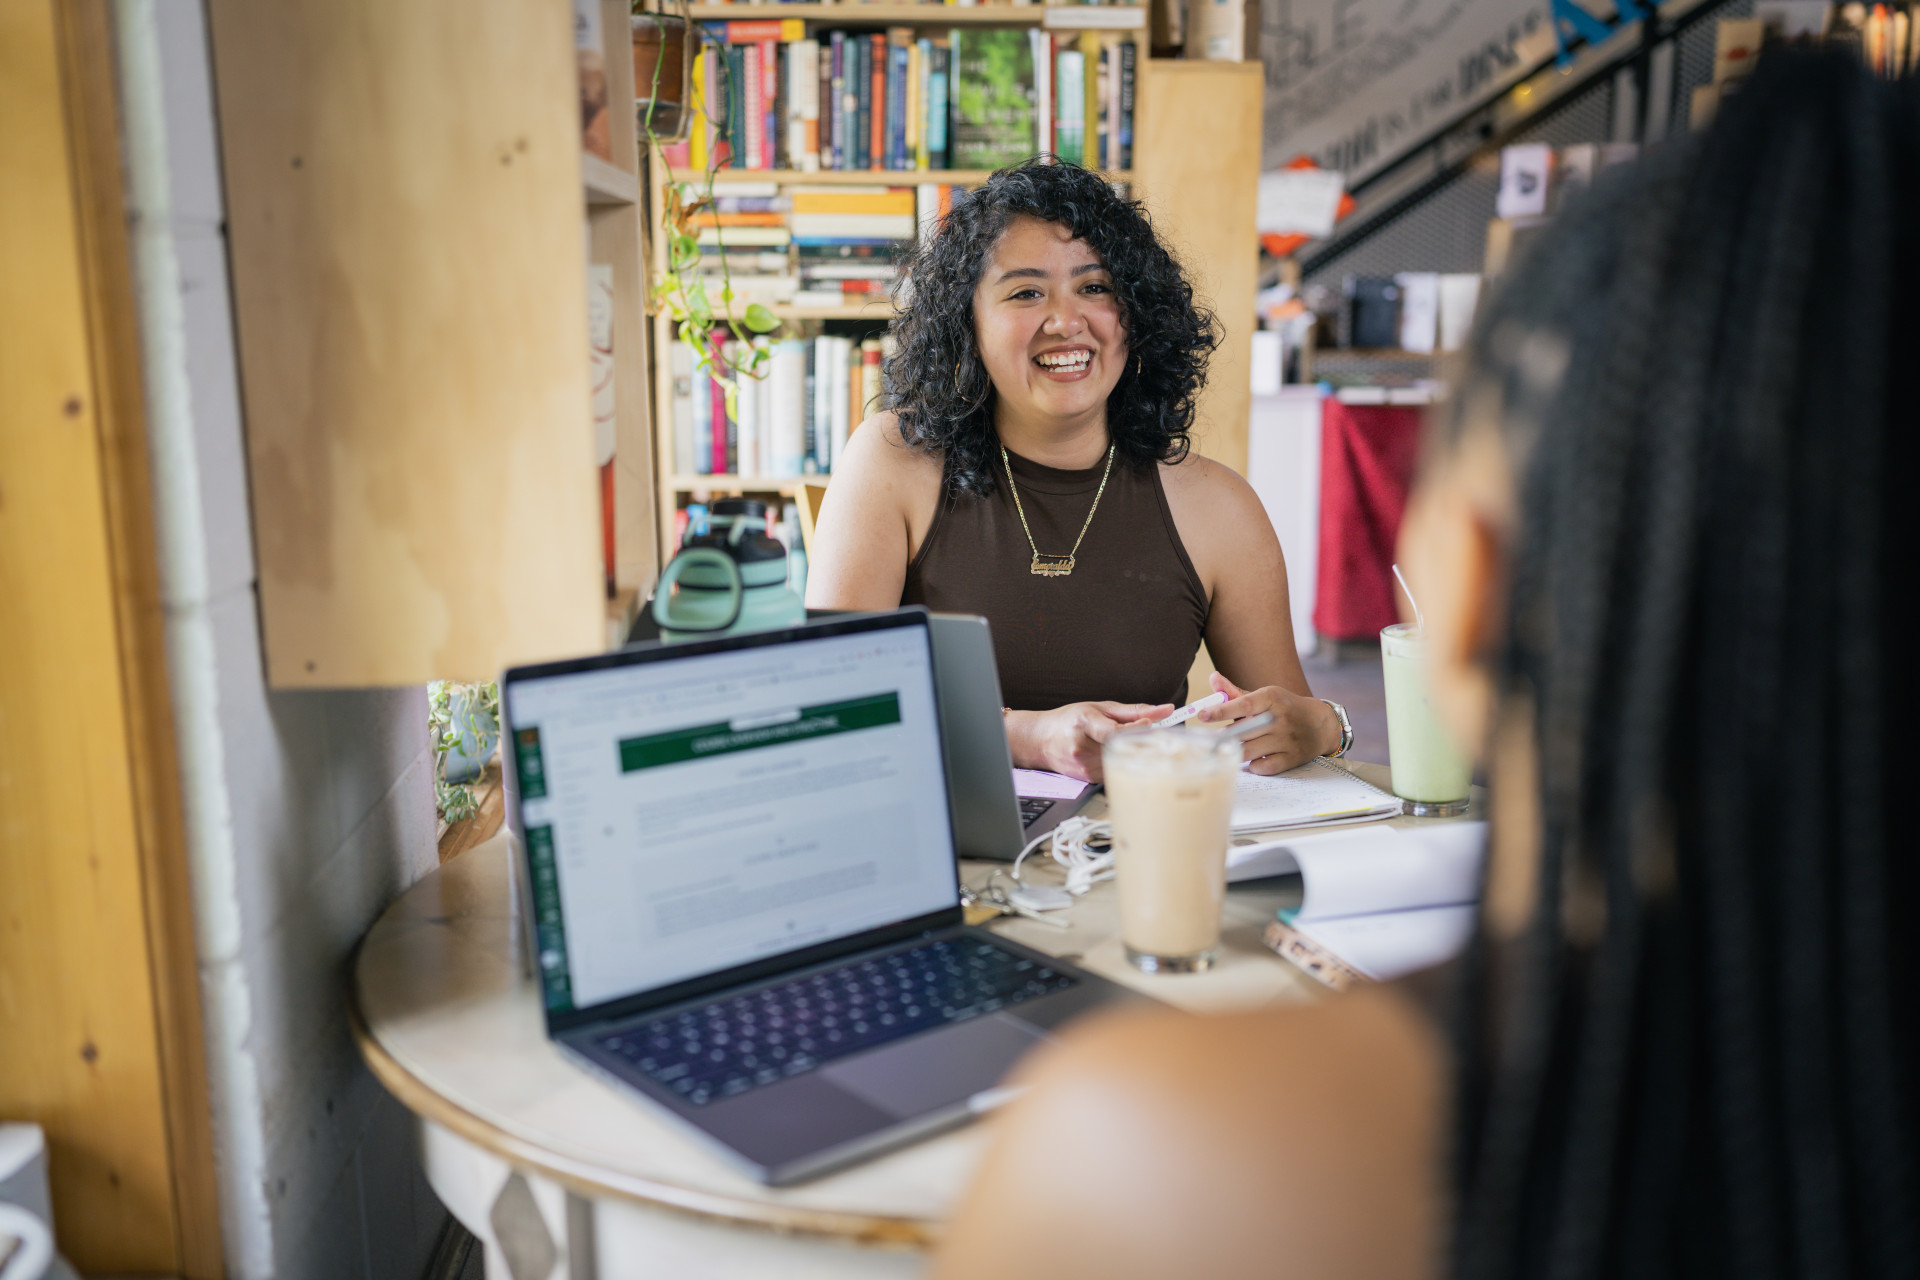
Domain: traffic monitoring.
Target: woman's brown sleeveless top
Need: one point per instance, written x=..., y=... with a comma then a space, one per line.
x=1123, y=626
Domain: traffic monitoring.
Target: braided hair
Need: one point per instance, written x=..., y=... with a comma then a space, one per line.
x=1704, y=1055
x=938, y=385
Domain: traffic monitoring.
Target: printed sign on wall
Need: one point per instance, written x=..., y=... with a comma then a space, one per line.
x=1356, y=83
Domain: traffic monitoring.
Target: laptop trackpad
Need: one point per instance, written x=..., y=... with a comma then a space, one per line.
x=925, y=1073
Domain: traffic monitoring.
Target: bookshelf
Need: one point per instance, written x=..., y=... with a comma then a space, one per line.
x=1055, y=17
x=1196, y=145
x=869, y=177
x=879, y=310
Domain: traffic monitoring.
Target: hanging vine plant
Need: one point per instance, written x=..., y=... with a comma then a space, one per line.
x=667, y=115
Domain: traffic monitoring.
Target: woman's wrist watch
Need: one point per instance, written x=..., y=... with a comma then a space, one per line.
x=1346, y=729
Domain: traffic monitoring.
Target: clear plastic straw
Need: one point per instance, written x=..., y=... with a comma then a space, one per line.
x=1419, y=619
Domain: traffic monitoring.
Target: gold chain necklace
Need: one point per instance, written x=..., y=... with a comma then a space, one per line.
x=1046, y=566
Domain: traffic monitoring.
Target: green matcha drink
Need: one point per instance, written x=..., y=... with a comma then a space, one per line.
x=1429, y=772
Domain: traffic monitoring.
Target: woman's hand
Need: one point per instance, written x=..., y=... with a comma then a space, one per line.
x=1302, y=727
x=1068, y=739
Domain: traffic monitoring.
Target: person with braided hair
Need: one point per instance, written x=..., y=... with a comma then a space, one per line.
x=1032, y=465
x=1664, y=538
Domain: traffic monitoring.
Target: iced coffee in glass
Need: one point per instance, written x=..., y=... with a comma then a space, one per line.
x=1170, y=798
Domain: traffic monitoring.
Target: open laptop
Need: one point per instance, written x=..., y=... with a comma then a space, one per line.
x=996, y=808
x=744, y=894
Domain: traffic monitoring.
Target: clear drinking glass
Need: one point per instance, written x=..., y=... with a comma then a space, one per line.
x=1432, y=775
x=1170, y=799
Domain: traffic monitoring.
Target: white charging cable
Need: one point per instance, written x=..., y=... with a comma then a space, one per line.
x=1072, y=847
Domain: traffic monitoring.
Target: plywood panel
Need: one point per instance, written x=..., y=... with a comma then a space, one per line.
x=618, y=239
x=1196, y=163
x=96, y=974
x=403, y=189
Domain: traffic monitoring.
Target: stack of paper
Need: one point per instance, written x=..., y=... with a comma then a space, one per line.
x=1315, y=794
x=1384, y=901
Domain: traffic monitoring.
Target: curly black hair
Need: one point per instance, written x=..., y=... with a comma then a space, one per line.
x=937, y=384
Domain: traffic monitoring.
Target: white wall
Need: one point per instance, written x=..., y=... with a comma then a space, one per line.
x=307, y=812
x=1283, y=466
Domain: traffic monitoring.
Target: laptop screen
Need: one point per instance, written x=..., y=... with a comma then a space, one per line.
x=691, y=813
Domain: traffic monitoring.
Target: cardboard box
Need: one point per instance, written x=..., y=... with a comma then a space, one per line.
x=1223, y=30
x=1736, y=47
x=1702, y=106
x=1526, y=179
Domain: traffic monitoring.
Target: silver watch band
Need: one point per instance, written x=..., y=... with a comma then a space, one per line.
x=1346, y=729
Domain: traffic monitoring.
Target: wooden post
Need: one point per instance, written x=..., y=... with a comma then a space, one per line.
x=1197, y=166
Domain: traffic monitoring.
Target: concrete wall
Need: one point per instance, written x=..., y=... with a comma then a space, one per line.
x=307, y=812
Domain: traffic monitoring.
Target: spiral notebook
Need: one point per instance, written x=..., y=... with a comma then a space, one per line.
x=1318, y=793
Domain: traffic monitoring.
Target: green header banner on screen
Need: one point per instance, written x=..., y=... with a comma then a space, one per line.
x=704, y=741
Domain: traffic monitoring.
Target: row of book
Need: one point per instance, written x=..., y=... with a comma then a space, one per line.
x=793, y=421
x=812, y=245
x=772, y=98
x=963, y=4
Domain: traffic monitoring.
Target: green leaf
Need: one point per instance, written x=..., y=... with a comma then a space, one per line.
x=761, y=320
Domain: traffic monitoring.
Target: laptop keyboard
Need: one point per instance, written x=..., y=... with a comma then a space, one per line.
x=731, y=1045
x=1031, y=807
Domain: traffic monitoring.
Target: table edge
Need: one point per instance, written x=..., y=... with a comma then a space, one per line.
x=595, y=1182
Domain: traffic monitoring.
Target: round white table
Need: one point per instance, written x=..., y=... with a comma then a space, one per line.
x=561, y=1175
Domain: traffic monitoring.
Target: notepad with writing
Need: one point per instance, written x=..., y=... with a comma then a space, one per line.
x=1377, y=903
x=1315, y=794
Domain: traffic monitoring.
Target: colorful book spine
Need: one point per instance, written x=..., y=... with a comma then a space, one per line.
x=896, y=131
x=1102, y=87
x=702, y=397
x=1042, y=54
x=877, y=121
x=772, y=120
x=698, y=137
x=804, y=103
x=737, y=105
x=863, y=114
x=1070, y=134
x=758, y=30
x=1090, y=110
x=837, y=89
x=1128, y=53
x=924, y=85
x=916, y=106
x=938, y=82
x=810, y=415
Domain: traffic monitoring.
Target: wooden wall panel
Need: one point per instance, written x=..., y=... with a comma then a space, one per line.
x=98, y=993
x=1197, y=165
x=403, y=191
x=619, y=239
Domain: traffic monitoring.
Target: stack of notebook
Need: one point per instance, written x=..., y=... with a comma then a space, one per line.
x=1316, y=794
x=1377, y=903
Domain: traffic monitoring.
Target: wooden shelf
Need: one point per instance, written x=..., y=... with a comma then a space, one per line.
x=845, y=311
x=606, y=183
x=741, y=484
x=873, y=177
x=1070, y=17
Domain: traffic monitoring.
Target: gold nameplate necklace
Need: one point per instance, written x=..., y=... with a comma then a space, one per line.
x=1047, y=566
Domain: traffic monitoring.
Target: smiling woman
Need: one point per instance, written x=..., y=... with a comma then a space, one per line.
x=1032, y=466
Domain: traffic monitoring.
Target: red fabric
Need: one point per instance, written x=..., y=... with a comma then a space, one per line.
x=1367, y=454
